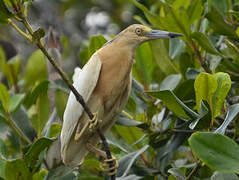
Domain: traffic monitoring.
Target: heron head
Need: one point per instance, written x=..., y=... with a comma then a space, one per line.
x=137, y=34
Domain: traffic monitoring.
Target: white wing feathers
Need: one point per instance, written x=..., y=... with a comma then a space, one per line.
x=84, y=81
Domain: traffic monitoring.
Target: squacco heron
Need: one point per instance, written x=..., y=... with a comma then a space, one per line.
x=105, y=84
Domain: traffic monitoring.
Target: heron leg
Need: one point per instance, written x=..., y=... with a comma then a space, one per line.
x=105, y=164
x=91, y=123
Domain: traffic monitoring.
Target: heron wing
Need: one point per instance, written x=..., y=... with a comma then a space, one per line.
x=84, y=80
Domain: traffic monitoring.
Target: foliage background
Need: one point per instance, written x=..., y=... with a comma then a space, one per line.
x=181, y=121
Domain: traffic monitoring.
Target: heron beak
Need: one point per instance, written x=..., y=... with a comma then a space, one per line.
x=157, y=34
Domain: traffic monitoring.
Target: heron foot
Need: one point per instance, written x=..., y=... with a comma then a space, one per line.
x=110, y=170
x=94, y=123
x=105, y=164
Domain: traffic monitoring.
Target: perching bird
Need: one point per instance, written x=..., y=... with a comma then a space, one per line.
x=105, y=84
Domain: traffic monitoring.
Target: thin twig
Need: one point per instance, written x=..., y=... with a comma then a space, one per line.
x=10, y=22
x=194, y=170
x=200, y=58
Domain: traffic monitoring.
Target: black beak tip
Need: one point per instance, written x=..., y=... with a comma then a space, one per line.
x=173, y=35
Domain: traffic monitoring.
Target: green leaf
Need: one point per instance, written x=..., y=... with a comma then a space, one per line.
x=17, y=169
x=4, y=12
x=2, y=58
x=124, y=121
x=170, y=82
x=205, y=43
x=36, y=68
x=219, y=25
x=11, y=70
x=231, y=51
x=224, y=85
x=128, y=134
x=204, y=119
x=36, y=91
x=2, y=149
x=61, y=173
x=144, y=65
x=41, y=175
x=40, y=111
x=177, y=173
x=232, y=112
x=4, y=97
x=96, y=42
x=205, y=86
x=60, y=102
x=152, y=18
x=174, y=104
x=176, y=48
x=221, y=176
x=21, y=119
x=2, y=173
x=126, y=162
x=161, y=55
x=195, y=10
x=55, y=129
x=16, y=101
x=36, y=148
x=217, y=151
x=176, y=20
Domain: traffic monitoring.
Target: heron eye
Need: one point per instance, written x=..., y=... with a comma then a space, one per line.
x=138, y=31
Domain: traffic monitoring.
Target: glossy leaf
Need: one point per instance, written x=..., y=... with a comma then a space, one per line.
x=217, y=151
x=223, y=87
x=35, y=92
x=127, y=161
x=145, y=64
x=36, y=148
x=96, y=42
x=22, y=121
x=232, y=112
x=170, y=82
x=161, y=56
x=124, y=121
x=205, y=43
x=173, y=103
x=195, y=10
x=17, y=169
x=54, y=130
x=42, y=112
x=221, y=176
x=219, y=25
x=205, y=86
x=36, y=68
x=11, y=70
x=4, y=97
x=177, y=173
x=4, y=12
x=16, y=101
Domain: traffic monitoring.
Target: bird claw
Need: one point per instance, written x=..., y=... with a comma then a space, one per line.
x=105, y=166
x=93, y=123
